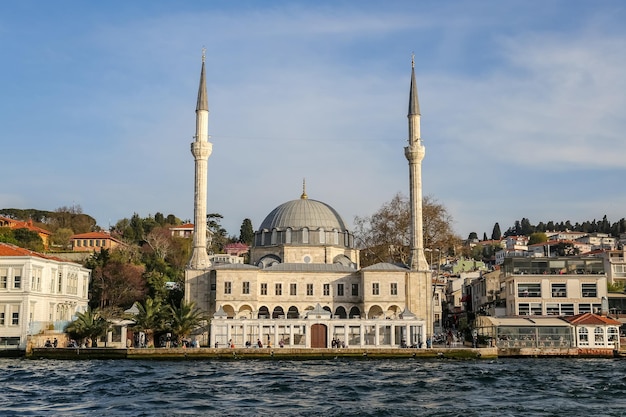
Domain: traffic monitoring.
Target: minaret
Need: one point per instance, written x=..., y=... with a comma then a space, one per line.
x=415, y=154
x=201, y=150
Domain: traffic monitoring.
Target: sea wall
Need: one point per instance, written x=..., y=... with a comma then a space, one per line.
x=255, y=353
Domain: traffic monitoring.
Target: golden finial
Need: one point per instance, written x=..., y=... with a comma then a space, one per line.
x=304, y=196
x=203, y=54
x=413, y=60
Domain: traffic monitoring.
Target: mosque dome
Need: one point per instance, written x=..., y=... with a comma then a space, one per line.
x=303, y=213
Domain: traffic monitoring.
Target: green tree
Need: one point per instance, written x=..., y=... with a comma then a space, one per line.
x=537, y=237
x=88, y=324
x=495, y=233
x=185, y=319
x=61, y=238
x=28, y=239
x=7, y=236
x=150, y=318
x=246, y=233
x=219, y=236
x=472, y=236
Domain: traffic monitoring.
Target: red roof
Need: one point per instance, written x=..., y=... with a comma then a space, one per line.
x=592, y=319
x=6, y=249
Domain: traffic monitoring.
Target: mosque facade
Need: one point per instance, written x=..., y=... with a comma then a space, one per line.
x=304, y=286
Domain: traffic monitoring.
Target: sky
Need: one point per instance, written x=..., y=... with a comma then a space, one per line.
x=522, y=107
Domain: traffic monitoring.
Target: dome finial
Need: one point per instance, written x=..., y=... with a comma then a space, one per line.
x=304, y=196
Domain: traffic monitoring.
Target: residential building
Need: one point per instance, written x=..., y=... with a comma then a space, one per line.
x=94, y=242
x=18, y=224
x=37, y=293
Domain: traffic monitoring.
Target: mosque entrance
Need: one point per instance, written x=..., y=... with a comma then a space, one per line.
x=318, y=336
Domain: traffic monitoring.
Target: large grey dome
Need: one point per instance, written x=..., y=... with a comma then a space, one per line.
x=301, y=213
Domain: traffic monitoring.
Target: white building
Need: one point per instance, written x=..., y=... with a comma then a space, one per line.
x=37, y=293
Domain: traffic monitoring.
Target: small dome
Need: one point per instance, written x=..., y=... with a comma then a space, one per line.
x=297, y=214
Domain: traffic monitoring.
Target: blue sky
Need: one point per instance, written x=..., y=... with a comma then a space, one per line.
x=522, y=106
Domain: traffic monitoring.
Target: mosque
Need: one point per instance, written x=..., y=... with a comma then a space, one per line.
x=304, y=286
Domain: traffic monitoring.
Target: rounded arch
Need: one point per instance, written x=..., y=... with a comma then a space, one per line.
x=268, y=260
x=340, y=312
x=342, y=260
x=229, y=310
x=278, y=313
x=245, y=311
x=264, y=313
x=375, y=312
x=293, y=313
x=393, y=311
x=355, y=312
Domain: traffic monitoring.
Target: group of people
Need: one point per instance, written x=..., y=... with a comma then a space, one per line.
x=50, y=344
x=336, y=343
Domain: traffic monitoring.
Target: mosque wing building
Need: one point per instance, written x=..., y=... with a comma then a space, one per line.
x=304, y=286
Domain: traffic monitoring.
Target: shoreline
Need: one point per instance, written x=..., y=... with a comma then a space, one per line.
x=463, y=353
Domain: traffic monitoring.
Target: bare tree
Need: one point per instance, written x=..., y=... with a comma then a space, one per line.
x=385, y=235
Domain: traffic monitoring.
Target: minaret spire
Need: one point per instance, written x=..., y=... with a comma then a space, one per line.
x=414, y=153
x=201, y=149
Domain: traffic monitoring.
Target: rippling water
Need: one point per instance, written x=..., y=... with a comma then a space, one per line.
x=512, y=387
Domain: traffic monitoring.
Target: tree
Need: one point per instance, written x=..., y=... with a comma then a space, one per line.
x=150, y=318
x=61, y=238
x=219, y=237
x=7, y=236
x=185, y=319
x=537, y=237
x=88, y=324
x=28, y=239
x=496, y=234
x=385, y=235
x=246, y=233
x=116, y=281
x=472, y=236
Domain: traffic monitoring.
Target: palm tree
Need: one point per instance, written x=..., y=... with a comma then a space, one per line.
x=150, y=317
x=89, y=324
x=185, y=319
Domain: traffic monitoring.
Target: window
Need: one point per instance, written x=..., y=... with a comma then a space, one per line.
x=355, y=290
x=394, y=289
x=327, y=289
x=340, y=290
x=584, y=308
x=246, y=287
x=436, y=298
x=322, y=236
x=375, y=289
x=305, y=235
x=15, y=318
x=293, y=289
x=278, y=289
x=524, y=309
x=567, y=309
x=535, y=309
x=309, y=289
x=1, y=318
x=264, y=288
x=17, y=282
x=552, y=309
x=559, y=290
x=583, y=336
x=60, y=288
x=599, y=336
x=528, y=290
x=4, y=278
x=590, y=290
x=91, y=242
x=227, y=287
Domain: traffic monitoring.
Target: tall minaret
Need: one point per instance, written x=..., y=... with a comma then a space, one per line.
x=201, y=150
x=415, y=154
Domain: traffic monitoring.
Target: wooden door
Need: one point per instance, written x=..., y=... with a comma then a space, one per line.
x=318, y=336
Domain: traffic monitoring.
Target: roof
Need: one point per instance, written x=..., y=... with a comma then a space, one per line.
x=182, y=226
x=309, y=268
x=592, y=319
x=301, y=213
x=385, y=266
x=525, y=321
x=93, y=235
x=18, y=224
x=7, y=249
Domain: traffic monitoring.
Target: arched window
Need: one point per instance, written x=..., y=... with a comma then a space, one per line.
x=598, y=334
x=274, y=233
x=263, y=238
x=288, y=236
x=305, y=235
x=335, y=237
x=322, y=235
x=583, y=336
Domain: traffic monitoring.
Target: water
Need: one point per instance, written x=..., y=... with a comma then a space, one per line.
x=511, y=387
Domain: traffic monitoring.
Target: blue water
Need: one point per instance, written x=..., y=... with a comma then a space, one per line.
x=512, y=387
